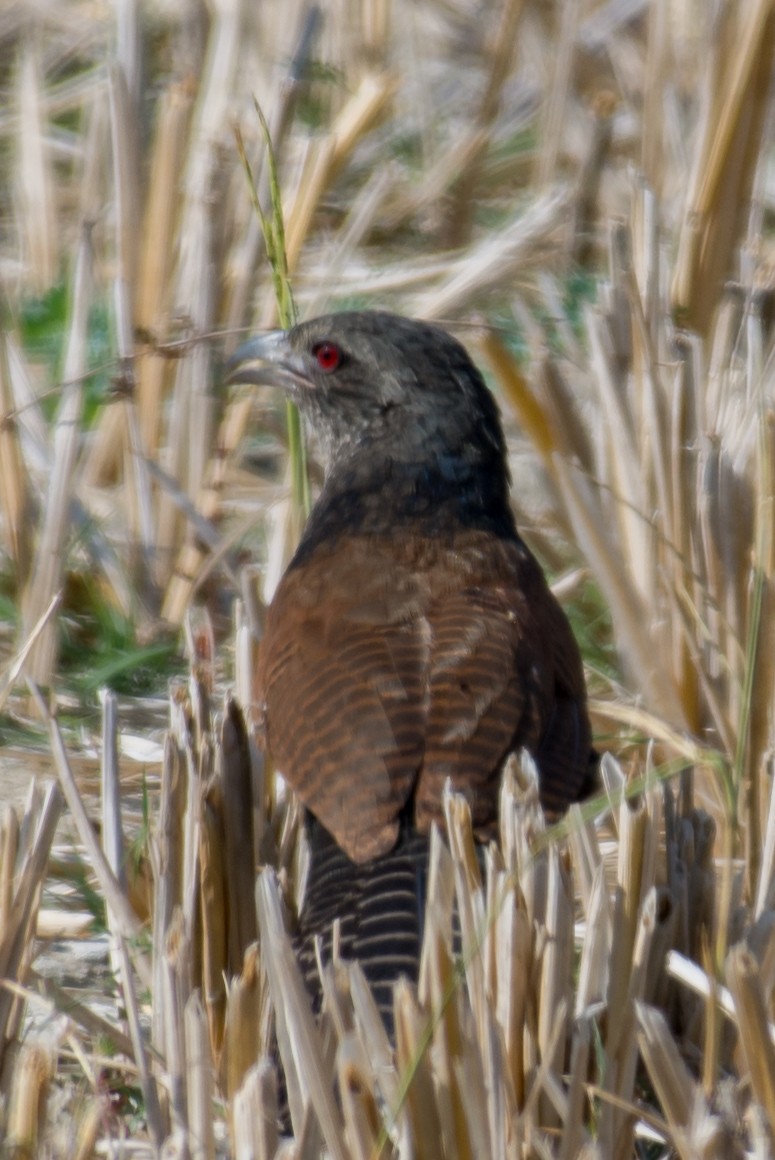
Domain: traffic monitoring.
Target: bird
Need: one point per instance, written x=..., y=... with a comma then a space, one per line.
x=413, y=640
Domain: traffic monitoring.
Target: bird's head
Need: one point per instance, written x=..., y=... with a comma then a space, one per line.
x=374, y=383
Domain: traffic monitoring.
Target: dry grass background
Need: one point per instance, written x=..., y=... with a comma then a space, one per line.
x=585, y=191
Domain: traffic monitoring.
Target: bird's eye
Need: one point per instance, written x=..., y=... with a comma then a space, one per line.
x=328, y=356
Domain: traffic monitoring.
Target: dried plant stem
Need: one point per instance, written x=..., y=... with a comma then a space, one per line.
x=116, y=899
x=745, y=985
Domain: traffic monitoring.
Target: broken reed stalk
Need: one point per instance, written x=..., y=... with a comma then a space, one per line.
x=488, y=1060
x=23, y=860
x=26, y=1114
x=745, y=984
x=116, y=899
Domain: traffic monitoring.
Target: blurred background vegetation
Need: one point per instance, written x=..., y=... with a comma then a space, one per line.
x=583, y=190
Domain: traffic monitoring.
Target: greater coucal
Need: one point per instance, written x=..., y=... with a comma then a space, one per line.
x=413, y=637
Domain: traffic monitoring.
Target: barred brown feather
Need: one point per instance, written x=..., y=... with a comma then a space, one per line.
x=370, y=700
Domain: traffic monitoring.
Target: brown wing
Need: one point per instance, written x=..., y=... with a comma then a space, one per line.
x=388, y=668
x=505, y=672
x=341, y=679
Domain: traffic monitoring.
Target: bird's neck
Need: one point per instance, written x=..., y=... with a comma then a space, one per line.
x=384, y=497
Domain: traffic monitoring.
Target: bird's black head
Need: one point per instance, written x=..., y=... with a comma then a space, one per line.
x=374, y=381
x=389, y=397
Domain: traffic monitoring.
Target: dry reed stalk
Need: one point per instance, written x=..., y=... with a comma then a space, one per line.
x=585, y=852
x=632, y=884
x=701, y=983
x=594, y=985
x=530, y=412
x=724, y=165
x=128, y=53
x=26, y=411
x=245, y=1033
x=742, y=974
x=152, y=287
x=189, y=432
x=759, y=675
x=15, y=669
x=378, y=1049
x=25, y=853
x=482, y=1109
x=419, y=1109
x=285, y=524
x=623, y=1058
x=574, y=1134
x=176, y=988
x=112, y=832
x=572, y=439
x=297, y=1036
x=438, y=907
x=514, y=968
x=543, y=1089
x=765, y=891
x=36, y=213
x=550, y=133
x=682, y=1104
x=26, y=1112
x=215, y=918
x=247, y=636
x=448, y=1045
x=190, y=874
x=248, y=630
x=9, y=832
x=583, y=242
x=362, y=1117
x=15, y=496
x=255, y=1114
x=153, y=1110
x=470, y=898
x=235, y=771
x=49, y=565
x=104, y=462
x=167, y=858
x=115, y=897
x=555, y=985
x=189, y=436
x=89, y=1125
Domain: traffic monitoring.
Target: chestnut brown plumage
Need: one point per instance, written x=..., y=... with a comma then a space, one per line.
x=413, y=638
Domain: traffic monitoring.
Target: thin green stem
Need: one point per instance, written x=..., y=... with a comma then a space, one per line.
x=273, y=229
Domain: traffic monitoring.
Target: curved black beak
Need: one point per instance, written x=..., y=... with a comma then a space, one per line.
x=267, y=360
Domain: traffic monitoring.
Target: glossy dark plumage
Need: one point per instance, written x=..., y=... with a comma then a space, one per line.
x=413, y=637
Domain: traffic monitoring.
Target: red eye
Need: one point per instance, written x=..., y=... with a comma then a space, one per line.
x=328, y=356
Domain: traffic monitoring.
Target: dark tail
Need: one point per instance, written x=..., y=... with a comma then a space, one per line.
x=380, y=906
